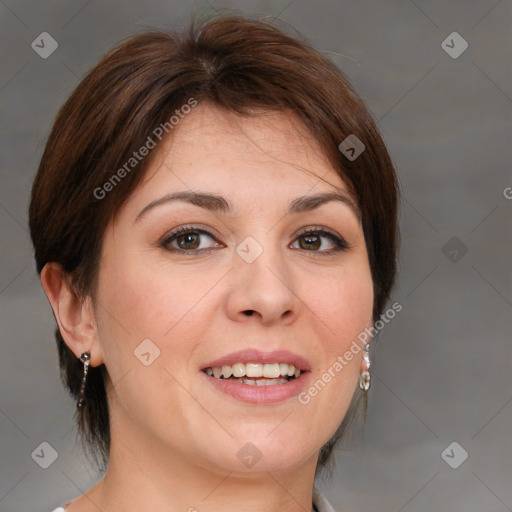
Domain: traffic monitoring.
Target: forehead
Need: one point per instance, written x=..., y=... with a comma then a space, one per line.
x=263, y=134
x=265, y=154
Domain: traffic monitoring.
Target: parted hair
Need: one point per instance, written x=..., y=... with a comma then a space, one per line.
x=240, y=64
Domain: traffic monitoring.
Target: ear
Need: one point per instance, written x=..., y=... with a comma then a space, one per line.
x=75, y=318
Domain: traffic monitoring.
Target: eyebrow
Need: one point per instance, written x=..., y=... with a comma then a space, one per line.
x=216, y=203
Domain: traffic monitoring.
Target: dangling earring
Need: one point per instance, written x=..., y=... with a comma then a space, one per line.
x=364, y=376
x=85, y=358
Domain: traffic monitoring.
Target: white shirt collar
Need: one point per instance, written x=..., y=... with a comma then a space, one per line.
x=321, y=502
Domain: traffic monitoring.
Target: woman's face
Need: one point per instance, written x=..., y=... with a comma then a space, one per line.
x=266, y=269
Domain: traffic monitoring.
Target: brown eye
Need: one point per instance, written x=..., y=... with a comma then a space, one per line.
x=321, y=241
x=190, y=240
x=310, y=242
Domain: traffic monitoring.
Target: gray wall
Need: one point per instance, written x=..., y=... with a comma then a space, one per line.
x=442, y=367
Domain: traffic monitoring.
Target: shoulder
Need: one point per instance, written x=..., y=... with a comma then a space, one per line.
x=320, y=502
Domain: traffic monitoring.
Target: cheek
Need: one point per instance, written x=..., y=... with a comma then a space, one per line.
x=163, y=305
x=343, y=306
x=147, y=301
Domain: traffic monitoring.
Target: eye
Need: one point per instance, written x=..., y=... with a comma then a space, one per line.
x=320, y=240
x=189, y=239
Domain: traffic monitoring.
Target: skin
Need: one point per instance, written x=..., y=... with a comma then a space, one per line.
x=175, y=437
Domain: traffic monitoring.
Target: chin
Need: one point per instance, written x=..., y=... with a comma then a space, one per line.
x=263, y=453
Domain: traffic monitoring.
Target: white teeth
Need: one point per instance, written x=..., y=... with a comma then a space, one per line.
x=239, y=370
x=253, y=370
x=226, y=371
x=270, y=382
x=270, y=371
x=262, y=382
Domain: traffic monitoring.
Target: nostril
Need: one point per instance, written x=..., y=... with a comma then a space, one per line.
x=249, y=312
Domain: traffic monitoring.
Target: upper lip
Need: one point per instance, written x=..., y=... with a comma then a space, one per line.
x=259, y=357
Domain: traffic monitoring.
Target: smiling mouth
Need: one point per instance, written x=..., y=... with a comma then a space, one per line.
x=254, y=374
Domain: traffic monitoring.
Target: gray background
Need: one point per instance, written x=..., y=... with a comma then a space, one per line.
x=442, y=367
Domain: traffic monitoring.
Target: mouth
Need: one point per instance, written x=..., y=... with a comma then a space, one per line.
x=255, y=374
x=257, y=377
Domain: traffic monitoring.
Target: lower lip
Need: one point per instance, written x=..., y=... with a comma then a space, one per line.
x=260, y=394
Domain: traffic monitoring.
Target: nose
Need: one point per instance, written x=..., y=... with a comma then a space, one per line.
x=263, y=291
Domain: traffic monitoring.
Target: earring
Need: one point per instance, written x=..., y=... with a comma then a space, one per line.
x=85, y=358
x=364, y=376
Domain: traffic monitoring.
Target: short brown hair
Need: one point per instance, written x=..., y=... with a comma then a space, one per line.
x=238, y=64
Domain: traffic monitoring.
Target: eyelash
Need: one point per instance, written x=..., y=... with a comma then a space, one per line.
x=338, y=241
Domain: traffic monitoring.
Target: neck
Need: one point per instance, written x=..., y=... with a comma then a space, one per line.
x=141, y=476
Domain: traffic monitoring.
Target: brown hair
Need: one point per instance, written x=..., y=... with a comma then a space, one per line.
x=239, y=64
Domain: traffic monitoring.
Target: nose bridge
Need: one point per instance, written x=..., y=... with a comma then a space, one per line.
x=262, y=281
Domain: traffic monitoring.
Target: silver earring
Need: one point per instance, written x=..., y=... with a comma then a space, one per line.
x=364, y=376
x=86, y=359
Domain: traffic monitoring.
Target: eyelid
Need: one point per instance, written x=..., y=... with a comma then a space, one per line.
x=195, y=227
x=318, y=229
